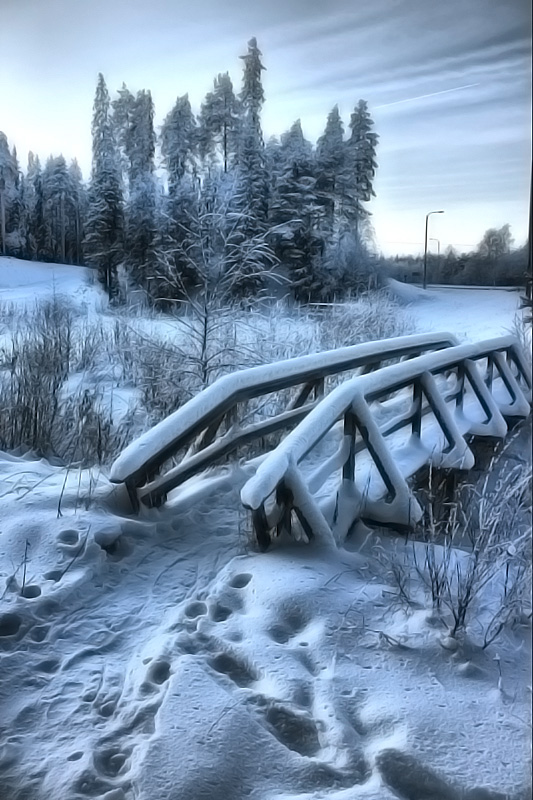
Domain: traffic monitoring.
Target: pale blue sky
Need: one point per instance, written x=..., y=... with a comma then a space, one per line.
x=448, y=84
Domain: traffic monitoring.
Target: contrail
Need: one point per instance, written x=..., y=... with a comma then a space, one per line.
x=432, y=94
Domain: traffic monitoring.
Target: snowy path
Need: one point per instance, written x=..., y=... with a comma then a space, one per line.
x=177, y=659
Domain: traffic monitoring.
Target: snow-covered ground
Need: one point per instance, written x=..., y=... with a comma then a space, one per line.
x=160, y=658
x=472, y=314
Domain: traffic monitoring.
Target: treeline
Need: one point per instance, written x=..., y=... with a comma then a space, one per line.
x=492, y=263
x=206, y=201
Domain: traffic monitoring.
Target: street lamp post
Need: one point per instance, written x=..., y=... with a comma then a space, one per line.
x=426, y=245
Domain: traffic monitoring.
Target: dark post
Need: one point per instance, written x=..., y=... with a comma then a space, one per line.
x=426, y=246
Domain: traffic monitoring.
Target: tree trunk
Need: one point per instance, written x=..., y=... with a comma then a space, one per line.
x=3, y=221
x=63, y=232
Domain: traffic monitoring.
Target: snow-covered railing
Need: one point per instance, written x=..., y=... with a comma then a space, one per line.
x=198, y=424
x=492, y=375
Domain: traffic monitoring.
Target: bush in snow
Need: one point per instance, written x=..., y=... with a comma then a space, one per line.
x=373, y=316
x=474, y=560
x=38, y=413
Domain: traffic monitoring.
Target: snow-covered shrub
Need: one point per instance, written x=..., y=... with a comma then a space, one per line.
x=36, y=363
x=473, y=558
x=8, y=313
x=39, y=412
x=372, y=317
x=163, y=384
x=88, y=433
x=92, y=344
x=209, y=345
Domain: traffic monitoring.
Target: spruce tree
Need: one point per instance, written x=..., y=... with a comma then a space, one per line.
x=295, y=214
x=15, y=220
x=105, y=223
x=34, y=204
x=331, y=168
x=56, y=201
x=361, y=159
x=63, y=201
x=247, y=219
x=179, y=146
x=179, y=142
x=77, y=211
x=9, y=202
x=133, y=117
x=247, y=223
x=218, y=131
x=252, y=95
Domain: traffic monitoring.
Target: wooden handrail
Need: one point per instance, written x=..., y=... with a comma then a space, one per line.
x=200, y=419
x=351, y=402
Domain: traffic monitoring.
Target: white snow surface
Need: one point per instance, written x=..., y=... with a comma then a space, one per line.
x=27, y=281
x=158, y=657
x=472, y=314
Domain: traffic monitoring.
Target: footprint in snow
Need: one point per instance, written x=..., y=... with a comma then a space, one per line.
x=9, y=624
x=240, y=581
x=219, y=613
x=195, y=609
x=69, y=537
x=236, y=669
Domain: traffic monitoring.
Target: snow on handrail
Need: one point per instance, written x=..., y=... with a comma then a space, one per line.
x=278, y=472
x=154, y=447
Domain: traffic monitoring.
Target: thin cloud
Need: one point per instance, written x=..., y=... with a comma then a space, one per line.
x=431, y=94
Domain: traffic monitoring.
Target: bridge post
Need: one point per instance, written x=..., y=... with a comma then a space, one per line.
x=350, y=430
x=134, y=498
x=460, y=386
x=284, y=501
x=319, y=389
x=261, y=528
x=489, y=375
x=416, y=419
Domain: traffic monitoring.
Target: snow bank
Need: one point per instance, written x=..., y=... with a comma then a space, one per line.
x=24, y=282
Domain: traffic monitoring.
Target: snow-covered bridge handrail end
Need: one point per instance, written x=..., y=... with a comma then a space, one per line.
x=198, y=423
x=489, y=379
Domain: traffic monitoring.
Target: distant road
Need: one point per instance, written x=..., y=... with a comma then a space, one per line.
x=459, y=286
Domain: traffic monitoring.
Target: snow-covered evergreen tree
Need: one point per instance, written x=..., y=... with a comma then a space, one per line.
x=9, y=199
x=179, y=143
x=121, y=112
x=180, y=150
x=252, y=95
x=105, y=220
x=77, y=211
x=331, y=170
x=63, y=210
x=133, y=117
x=361, y=162
x=15, y=220
x=248, y=220
x=219, y=121
x=295, y=213
x=34, y=205
x=56, y=201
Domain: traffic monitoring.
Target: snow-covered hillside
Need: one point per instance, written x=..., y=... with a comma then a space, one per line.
x=159, y=657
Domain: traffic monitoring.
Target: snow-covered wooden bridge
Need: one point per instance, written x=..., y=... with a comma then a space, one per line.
x=410, y=401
